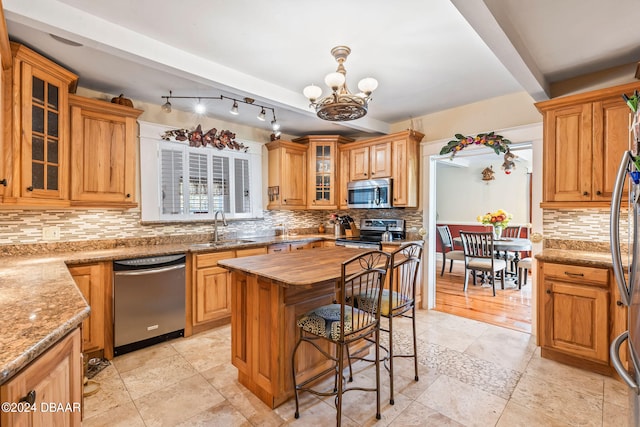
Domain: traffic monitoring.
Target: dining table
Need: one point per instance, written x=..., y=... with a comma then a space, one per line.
x=505, y=245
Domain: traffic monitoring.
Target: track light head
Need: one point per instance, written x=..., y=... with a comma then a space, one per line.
x=234, y=108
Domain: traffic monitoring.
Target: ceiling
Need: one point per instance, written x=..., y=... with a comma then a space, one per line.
x=427, y=55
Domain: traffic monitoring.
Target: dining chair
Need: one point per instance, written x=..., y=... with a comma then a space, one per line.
x=479, y=256
x=342, y=324
x=448, y=251
x=398, y=300
x=523, y=271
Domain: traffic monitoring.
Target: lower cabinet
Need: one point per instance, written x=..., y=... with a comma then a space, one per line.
x=576, y=316
x=94, y=281
x=48, y=392
x=211, y=305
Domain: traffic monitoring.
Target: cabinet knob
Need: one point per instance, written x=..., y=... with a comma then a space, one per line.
x=549, y=291
x=30, y=188
x=373, y=173
x=365, y=174
x=30, y=398
x=599, y=193
x=619, y=303
x=586, y=193
x=4, y=182
x=285, y=200
x=128, y=196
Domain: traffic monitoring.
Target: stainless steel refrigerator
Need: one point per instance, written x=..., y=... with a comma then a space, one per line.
x=628, y=261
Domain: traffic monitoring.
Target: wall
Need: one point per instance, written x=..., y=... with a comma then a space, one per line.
x=502, y=112
x=462, y=195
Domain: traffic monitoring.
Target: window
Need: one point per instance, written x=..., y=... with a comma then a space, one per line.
x=192, y=183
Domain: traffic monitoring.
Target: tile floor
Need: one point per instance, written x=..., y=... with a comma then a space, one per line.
x=471, y=374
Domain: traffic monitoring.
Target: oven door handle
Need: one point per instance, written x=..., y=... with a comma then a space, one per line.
x=149, y=271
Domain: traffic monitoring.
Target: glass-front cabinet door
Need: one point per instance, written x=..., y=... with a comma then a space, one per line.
x=324, y=165
x=43, y=88
x=323, y=169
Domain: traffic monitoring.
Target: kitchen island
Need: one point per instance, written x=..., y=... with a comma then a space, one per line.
x=269, y=293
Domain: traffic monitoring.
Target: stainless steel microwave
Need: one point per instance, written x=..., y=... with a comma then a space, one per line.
x=369, y=194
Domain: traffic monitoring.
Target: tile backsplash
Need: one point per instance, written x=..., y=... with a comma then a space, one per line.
x=25, y=226
x=582, y=224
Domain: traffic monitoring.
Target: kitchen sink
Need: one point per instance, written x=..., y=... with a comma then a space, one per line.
x=223, y=242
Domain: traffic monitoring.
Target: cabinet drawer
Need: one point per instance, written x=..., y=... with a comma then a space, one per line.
x=211, y=259
x=300, y=246
x=278, y=248
x=586, y=275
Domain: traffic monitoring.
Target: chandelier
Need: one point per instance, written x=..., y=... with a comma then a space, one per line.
x=341, y=105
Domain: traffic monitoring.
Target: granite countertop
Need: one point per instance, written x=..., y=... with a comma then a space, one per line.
x=577, y=257
x=40, y=303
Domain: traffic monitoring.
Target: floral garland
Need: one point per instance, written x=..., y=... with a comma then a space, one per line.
x=198, y=138
x=491, y=140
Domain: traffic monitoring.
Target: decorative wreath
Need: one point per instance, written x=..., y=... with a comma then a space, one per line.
x=198, y=138
x=491, y=140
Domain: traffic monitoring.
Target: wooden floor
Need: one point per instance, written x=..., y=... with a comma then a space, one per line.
x=510, y=308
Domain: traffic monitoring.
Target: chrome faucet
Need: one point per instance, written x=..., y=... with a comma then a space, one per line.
x=215, y=225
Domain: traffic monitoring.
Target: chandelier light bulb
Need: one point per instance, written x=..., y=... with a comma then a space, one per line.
x=334, y=80
x=261, y=116
x=368, y=85
x=166, y=107
x=312, y=92
x=275, y=125
x=234, y=108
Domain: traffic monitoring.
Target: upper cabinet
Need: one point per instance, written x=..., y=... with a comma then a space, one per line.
x=370, y=161
x=103, y=153
x=584, y=138
x=333, y=161
x=40, y=148
x=392, y=156
x=59, y=149
x=323, y=168
x=287, y=175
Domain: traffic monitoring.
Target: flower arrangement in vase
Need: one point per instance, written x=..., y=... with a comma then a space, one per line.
x=498, y=220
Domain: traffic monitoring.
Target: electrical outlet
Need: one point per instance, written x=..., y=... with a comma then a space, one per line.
x=51, y=233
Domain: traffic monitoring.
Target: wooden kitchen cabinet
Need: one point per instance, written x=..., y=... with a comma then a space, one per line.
x=212, y=293
x=94, y=281
x=323, y=182
x=40, y=135
x=54, y=378
x=584, y=138
x=287, y=175
x=405, y=163
x=575, y=315
x=103, y=153
x=343, y=178
x=371, y=161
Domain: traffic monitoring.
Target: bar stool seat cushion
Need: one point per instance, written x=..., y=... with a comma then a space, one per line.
x=324, y=321
x=388, y=300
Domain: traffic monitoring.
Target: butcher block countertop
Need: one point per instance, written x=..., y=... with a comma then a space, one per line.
x=300, y=268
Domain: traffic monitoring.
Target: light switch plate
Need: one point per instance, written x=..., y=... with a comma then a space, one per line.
x=51, y=233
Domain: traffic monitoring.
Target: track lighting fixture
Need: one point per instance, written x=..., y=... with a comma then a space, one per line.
x=234, y=108
x=166, y=107
x=201, y=109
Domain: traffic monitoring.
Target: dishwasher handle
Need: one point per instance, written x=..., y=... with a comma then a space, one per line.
x=149, y=271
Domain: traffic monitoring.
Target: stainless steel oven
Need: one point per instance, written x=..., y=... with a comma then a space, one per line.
x=369, y=194
x=371, y=230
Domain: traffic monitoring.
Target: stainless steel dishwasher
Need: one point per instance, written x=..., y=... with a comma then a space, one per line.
x=148, y=301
